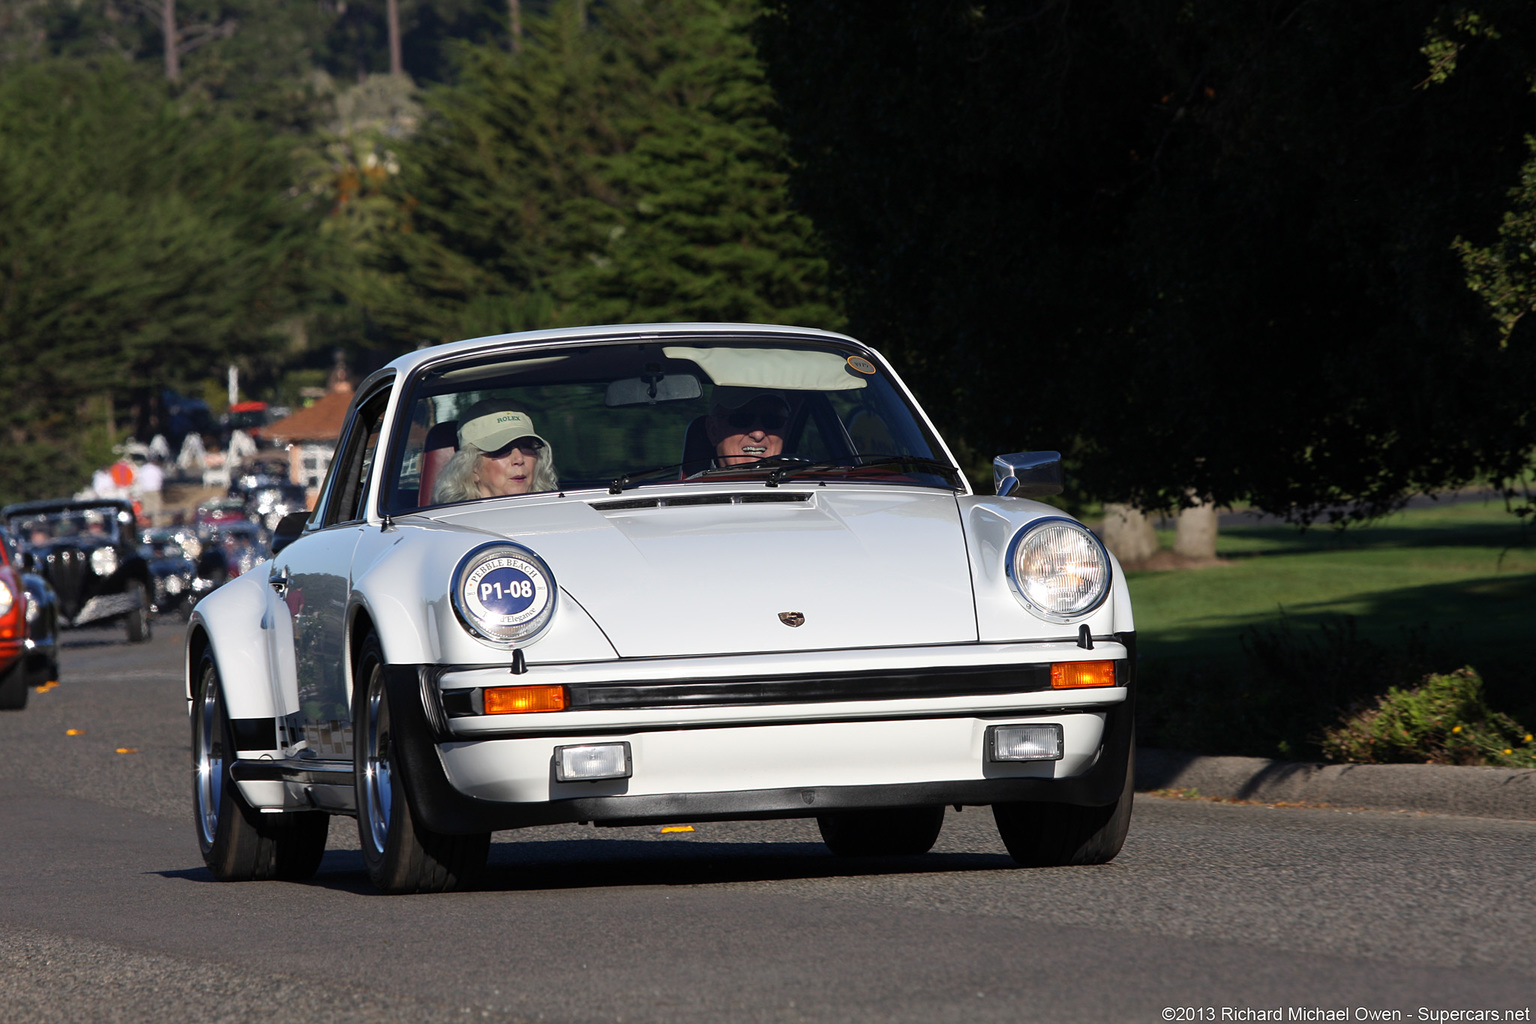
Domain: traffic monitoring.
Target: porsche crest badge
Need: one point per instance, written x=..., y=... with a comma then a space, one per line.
x=792, y=618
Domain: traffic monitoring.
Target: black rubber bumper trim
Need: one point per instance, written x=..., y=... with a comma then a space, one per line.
x=815, y=688
x=444, y=809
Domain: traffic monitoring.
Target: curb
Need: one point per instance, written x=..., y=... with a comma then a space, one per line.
x=1430, y=788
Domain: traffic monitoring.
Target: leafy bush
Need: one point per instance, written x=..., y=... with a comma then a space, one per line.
x=1443, y=720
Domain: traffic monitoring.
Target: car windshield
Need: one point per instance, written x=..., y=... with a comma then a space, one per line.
x=621, y=416
x=76, y=524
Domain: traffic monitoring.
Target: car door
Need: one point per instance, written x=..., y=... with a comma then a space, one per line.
x=313, y=575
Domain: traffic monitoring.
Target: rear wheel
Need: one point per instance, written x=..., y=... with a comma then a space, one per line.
x=887, y=832
x=401, y=854
x=13, y=687
x=138, y=620
x=1040, y=835
x=239, y=843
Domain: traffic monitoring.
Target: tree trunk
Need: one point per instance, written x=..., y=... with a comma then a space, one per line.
x=515, y=12
x=172, y=40
x=396, y=58
x=1128, y=533
x=1195, y=534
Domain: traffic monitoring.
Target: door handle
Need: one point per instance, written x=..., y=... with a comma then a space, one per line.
x=279, y=579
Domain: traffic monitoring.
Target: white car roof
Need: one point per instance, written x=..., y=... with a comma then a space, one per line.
x=409, y=362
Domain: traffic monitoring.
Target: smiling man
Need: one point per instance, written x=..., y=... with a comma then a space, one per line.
x=746, y=424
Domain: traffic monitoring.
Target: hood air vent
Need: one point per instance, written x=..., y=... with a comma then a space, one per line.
x=678, y=500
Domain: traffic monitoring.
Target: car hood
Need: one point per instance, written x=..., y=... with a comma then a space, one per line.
x=723, y=572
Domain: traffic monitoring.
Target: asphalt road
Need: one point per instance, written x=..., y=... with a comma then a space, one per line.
x=1214, y=911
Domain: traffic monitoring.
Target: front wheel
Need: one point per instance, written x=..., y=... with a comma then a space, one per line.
x=401, y=854
x=1041, y=835
x=138, y=619
x=13, y=687
x=239, y=843
x=885, y=832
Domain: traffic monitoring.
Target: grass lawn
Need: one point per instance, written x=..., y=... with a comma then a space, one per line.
x=1455, y=583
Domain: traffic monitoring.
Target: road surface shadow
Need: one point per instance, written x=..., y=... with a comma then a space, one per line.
x=605, y=863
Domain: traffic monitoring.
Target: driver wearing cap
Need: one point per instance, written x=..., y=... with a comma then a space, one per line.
x=499, y=453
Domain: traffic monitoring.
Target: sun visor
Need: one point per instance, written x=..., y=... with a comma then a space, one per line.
x=780, y=368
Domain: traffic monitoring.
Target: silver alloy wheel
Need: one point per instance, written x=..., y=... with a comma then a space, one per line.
x=208, y=758
x=378, y=788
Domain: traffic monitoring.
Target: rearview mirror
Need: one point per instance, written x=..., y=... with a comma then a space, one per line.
x=1027, y=474
x=650, y=390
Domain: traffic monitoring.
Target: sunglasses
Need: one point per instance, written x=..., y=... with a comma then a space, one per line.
x=527, y=444
x=745, y=419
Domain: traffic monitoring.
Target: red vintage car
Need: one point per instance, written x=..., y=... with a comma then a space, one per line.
x=28, y=627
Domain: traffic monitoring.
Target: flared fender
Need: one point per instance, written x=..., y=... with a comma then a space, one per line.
x=250, y=632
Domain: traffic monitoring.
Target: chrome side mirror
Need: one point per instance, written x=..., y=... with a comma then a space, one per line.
x=1027, y=474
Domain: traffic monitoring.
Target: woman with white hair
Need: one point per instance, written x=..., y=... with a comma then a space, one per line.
x=499, y=453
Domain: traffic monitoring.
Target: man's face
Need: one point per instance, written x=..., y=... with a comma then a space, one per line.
x=755, y=431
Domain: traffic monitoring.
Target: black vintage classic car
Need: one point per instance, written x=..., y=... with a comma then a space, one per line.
x=173, y=570
x=88, y=552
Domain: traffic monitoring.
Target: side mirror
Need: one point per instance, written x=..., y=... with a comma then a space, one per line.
x=1027, y=474
x=289, y=529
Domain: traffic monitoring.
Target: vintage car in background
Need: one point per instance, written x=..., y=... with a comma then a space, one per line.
x=88, y=552
x=651, y=574
x=228, y=550
x=29, y=627
x=217, y=512
x=172, y=570
x=268, y=494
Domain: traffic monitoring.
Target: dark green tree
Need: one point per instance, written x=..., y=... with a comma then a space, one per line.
x=141, y=245
x=1204, y=248
x=620, y=167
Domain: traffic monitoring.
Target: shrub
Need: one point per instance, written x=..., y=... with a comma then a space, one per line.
x=1443, y=720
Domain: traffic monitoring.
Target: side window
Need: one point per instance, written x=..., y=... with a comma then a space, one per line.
x=348, y=486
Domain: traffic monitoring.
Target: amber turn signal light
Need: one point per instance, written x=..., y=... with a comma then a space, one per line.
x=1071, y=675
x=517, y=700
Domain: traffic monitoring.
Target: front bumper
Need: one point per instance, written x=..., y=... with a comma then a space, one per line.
x=772, y=761
x=104, y=607
x=702, y=755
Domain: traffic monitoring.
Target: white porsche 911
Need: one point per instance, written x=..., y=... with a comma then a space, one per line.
x=651, y=574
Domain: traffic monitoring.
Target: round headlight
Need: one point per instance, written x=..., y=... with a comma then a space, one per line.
x=7, y=598
x=1058, y=569
x=504, y=594
x=104, y=561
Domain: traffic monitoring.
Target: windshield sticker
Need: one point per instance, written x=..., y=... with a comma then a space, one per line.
x=861, y=365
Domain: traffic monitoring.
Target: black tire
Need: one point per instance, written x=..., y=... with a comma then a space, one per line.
x=138, y=620
x=887, y=832
x=14, y=688
x=1040, y=835
x=240, y=844
x=401, y=854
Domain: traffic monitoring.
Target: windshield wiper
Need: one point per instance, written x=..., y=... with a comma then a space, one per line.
x=918, y=462
x=782, y=467
x=618, y=483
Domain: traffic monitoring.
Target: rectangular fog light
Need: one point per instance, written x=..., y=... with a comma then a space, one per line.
x=586, y=762
x=1024, y=743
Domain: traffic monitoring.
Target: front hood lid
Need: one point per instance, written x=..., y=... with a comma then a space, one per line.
x=729, y=571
